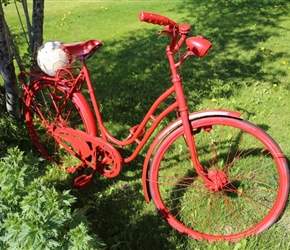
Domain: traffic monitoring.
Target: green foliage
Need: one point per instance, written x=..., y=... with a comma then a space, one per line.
x=246, y=70
x=11, y=131
x=34, y=215
x=6, y=2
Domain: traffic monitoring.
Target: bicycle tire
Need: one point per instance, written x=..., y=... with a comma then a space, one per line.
x=257, y=180
x=44, y=100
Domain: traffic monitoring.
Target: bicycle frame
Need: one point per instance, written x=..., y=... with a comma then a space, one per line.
x=179, y=104
x=196, y=46
x=204, y=166
x=137, y=131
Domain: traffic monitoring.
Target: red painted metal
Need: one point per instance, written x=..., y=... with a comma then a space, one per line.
x=198, y=45
x=206, y=220
x=96, y=147
x=171, y=29
x=156, y=19
x=173, y=126
x=218, y=180
x=93, y=151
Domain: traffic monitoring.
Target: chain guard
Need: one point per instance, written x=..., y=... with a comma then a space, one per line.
x=92, y=151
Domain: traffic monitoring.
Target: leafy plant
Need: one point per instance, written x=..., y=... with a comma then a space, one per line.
x=246, y=70
x=34, y=214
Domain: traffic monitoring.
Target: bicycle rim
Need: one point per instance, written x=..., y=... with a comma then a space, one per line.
x=48, y=108
x=247, y=203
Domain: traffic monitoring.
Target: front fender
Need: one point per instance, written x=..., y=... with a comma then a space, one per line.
x=162, y=135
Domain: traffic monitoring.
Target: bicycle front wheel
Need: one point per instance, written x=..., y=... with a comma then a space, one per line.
x=247, y=166
x=48, y=107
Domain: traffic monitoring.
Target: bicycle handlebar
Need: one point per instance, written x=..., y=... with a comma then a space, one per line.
x=156, y=19
x=171, y=27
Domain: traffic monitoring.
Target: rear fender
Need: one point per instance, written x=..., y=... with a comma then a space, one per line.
x=77, y=98
x=163, y=134
x=86, y=113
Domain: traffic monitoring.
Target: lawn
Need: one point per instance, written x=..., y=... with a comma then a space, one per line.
x=246, y=70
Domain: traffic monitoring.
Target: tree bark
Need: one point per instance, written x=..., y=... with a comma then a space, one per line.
x=37, y=25
x=7, y=71
x=26, y=14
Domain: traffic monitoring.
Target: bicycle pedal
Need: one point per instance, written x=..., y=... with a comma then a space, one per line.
x=82, y=181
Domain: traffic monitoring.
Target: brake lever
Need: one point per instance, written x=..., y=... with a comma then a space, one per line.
x=166, y=31
x=171, y=31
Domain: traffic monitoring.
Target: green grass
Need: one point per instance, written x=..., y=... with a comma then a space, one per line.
x=246, y=70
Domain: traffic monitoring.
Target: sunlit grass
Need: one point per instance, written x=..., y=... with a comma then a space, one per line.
x=246, y=70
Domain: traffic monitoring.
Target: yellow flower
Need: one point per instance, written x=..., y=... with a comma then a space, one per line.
x=262, y=48
x=283, y=62
x=213, y=100
x=275, y=85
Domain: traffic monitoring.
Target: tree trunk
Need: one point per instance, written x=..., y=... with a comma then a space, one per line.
x=36, y=35
x=14, y=48
x=7, y=71
x=26, y=14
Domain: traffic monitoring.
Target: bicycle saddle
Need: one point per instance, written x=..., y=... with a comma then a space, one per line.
x=82, y=49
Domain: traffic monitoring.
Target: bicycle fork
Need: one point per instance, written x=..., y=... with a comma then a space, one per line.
x=189, y=139
x=189, y=134
x=215, y=180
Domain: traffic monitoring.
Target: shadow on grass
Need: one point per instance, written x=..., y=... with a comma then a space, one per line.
x=236, y=28
x=131, y=72
x=118, y=215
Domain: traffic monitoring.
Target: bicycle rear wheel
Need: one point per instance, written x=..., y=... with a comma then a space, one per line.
x=46, y=108
x=248, y=167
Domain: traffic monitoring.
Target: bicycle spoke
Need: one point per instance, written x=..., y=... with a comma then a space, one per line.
x=50, y=108
x=245, y=204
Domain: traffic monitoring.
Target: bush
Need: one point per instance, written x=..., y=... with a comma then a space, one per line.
x=33, y=214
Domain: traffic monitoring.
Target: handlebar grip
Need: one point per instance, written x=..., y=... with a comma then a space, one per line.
x=156, y=19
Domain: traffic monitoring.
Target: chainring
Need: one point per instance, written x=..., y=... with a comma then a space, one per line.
x=92, y=151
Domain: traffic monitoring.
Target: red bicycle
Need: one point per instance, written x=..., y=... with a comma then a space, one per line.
x=211, y=175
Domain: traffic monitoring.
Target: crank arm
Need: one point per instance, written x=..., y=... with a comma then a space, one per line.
x=75, y=144
x=83, y=180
